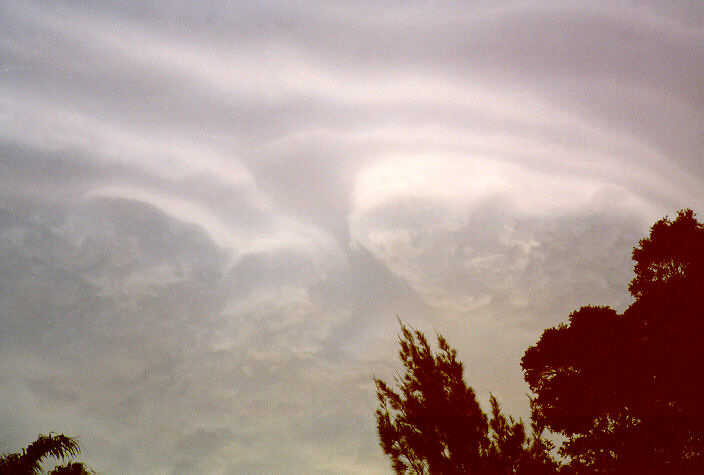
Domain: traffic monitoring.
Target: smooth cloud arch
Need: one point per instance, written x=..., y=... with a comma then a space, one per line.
x=275, y=233
x=462, y=181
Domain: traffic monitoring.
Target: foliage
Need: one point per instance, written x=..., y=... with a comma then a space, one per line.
x=512, y=450
x=625, y=388
x=28, y=462
x=432, y=422
x=72, y=468
x=674, y=250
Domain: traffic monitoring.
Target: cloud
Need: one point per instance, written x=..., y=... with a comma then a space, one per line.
x=129, y=309
x=211, y=214
x=463, y=232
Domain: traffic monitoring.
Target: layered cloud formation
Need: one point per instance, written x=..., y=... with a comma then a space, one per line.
x=211, y=214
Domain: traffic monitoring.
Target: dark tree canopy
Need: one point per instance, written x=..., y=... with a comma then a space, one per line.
x=674, y=250
x=432, y=422
x=72, y=468
x=626, y=388
x=29, y=460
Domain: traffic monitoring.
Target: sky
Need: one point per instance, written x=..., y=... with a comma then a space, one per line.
x=213, y=213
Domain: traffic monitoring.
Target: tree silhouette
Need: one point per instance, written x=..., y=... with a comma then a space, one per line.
x=432, y=422
x=72, y=468
x=29, y=460
x=626, y=388
x=674, y=250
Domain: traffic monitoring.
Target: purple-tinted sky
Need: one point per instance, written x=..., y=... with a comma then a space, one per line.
x=211, y=213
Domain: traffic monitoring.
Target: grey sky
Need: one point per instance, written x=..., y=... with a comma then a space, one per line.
x=211, y=213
